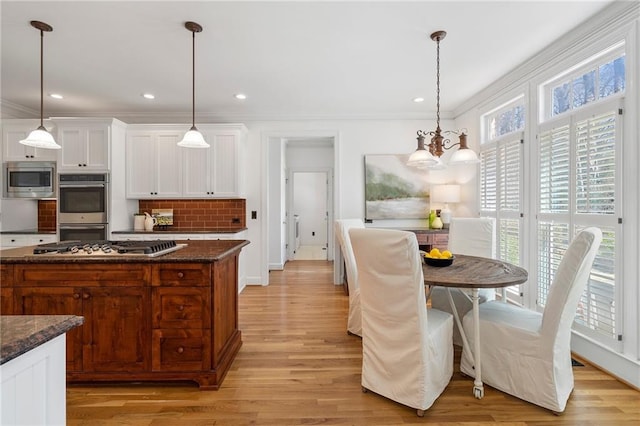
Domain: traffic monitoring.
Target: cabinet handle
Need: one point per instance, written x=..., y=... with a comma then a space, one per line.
x=79, y=165
x=76, y=296
x=86, y=296
x=181, y=308
x=84, y=165
x=180, y=350
x=180, y=275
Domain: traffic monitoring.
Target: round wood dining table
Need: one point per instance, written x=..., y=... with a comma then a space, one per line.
x=473, y=273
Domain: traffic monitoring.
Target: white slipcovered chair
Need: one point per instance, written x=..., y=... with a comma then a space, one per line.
x=525, y=353
x=472, y=237
x=407, y=352
x=342, y=226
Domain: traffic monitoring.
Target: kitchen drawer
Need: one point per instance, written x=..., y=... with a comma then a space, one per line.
x=87, y=275
x=441, y=240
x=181, y=308
x=23, y=240
x=181, y=350
x=182, y=275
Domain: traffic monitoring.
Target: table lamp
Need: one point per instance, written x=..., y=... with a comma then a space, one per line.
x=446, y=194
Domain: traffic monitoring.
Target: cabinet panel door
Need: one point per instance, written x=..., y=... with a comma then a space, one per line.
x=117, y=329
x=197, y=178
x=97, y=148
x=225, y=167
x=55, y=301
x=168, y=165
x=141, y=169
x=72, y=154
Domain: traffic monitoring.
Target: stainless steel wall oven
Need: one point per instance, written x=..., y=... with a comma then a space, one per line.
x=83, y=206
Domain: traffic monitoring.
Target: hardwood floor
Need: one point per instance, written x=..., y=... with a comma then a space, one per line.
x=298, y=366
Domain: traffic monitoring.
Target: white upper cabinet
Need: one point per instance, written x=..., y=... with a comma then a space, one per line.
x=86, y=144
x=16, y=130
x=216, y=172
x=153, y=163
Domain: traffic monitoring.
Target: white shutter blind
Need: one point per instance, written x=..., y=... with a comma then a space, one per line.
x=553, y=240
x=595, y=164
x=578, y=184
x=510, y=176
x=554, y=170
x=488, y=179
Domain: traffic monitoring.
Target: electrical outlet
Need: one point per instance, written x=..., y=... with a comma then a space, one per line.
x=235, y=220
x=313, y=234
x=254, y=214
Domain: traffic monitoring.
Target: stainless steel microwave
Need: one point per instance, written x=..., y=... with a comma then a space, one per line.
x=29, y=179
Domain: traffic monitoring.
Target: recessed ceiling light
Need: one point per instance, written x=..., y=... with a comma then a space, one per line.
x=240, y=96
x=148, y=96
x=417, y=100
x=55, y=96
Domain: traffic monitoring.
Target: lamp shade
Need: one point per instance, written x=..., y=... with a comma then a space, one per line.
x=446, y=193
x=193, y=139
x=422, y=159
x=464, y=156
x=40, y=138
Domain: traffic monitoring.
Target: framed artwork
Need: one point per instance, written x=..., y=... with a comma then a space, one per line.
x=394, y=190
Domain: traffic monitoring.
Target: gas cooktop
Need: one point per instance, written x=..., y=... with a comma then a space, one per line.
x=103, y=247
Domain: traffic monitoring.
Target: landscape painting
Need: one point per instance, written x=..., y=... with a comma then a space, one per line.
x=394, y=190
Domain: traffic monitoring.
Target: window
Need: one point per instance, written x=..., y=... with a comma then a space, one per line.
x=502, y=180
x=596, y=79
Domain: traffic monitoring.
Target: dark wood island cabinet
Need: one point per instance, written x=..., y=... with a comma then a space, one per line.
x=167, y=318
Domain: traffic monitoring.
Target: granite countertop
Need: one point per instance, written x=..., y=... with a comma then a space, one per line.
x=21, y=333
x=170, y=230
x=195, y=251
x=28, y=231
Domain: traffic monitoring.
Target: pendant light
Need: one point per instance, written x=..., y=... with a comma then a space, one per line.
x=193, y=138
x=430, y=159
x=41, y=138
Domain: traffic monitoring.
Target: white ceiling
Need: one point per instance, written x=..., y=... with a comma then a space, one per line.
x=294, y=60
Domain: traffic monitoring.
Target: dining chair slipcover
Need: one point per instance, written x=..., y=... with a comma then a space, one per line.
x=407, y=352
x=471, y=237
x=342, y=226
x=525, y=353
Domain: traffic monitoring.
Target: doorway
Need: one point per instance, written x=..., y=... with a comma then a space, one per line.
x=309, y=201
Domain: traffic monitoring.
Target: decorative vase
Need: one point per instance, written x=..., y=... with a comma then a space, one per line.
x=432, y=216
x=437, y=223
x=149, y=222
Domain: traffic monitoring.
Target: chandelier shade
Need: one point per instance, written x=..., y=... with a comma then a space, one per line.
x=40, y=137
x=193, y=138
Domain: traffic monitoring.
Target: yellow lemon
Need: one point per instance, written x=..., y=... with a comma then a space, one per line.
x=446, y=254
x=434, y=252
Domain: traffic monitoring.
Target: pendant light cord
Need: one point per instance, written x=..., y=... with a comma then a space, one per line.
x=193, y=80
x=41, y=78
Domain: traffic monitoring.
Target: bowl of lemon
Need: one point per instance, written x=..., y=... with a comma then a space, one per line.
x=435, y=257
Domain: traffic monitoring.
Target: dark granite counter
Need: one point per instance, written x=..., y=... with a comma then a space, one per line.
x=21, y=333
x=198, y=251
x=170, y=230
x=28, y=232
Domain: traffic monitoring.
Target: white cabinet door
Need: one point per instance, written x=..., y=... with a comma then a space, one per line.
x=216, y=172
x=84, y=148
x=23, y=240
x=14, y=131
x=153, y=164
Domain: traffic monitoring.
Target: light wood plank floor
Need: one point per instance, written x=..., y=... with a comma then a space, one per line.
x=298, y=366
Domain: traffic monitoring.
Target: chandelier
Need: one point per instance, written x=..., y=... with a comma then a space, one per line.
x=430, y=159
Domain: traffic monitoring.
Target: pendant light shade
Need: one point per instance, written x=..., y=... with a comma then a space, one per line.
x=41, y=138
x=193, y=138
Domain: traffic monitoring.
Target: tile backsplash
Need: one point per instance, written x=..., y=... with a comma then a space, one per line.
x=194, y=215
x=47, y=211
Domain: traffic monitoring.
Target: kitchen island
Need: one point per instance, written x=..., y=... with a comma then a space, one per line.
x=168, y=318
